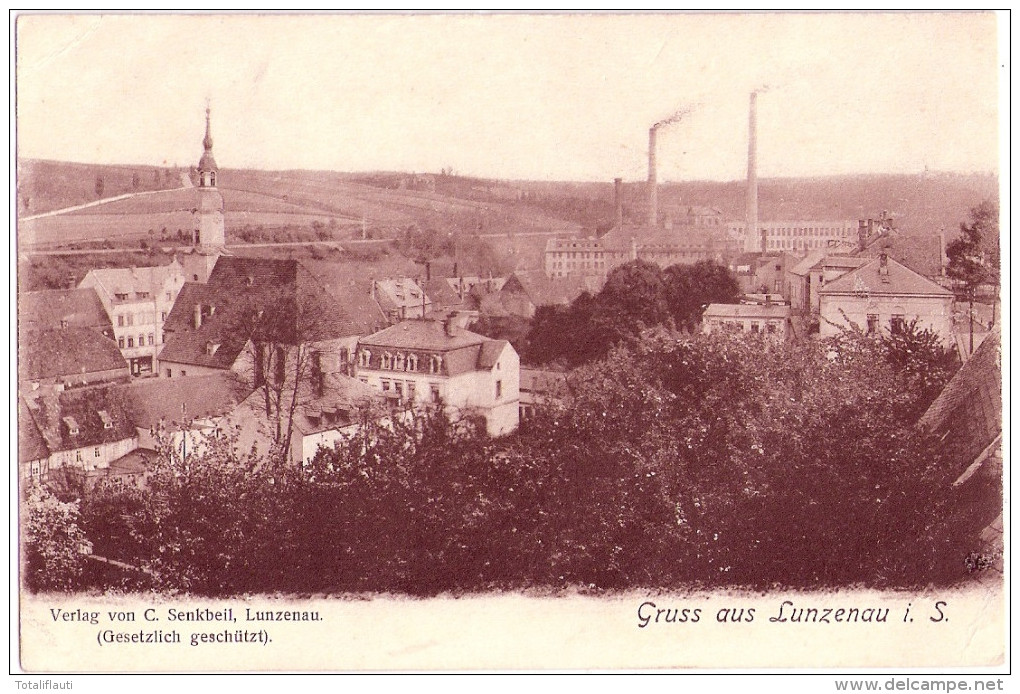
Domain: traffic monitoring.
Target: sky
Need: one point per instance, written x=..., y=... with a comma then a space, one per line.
x=553, y=97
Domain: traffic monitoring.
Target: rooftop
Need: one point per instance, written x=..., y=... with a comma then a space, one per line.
x=900, y=281
x=68, y=352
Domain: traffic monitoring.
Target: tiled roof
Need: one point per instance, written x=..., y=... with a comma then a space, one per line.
x=921, y=252
x=428, y=335
x=122, y=280
x=150, y=400
x=902, y=281
x=337, y=406
x=79, y=308
x=543, y=381
x=68, y=352
x=967, y=414
x=442, y=294
x=187, y=345
x=542, y=290
x=400, y=292
x=804, y=266
x=295, y=307
x=89, y=409
x=134, y=463
x=31, y=444
x=489, y=353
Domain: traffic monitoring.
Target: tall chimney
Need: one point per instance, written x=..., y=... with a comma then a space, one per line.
x=618, y=200
x=751, y=238
x=653, y=193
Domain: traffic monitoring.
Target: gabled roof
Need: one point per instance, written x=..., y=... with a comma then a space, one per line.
x=400, y=292
x=176, y=400
x=921, y=252
x=490, y=352
x=542, y=290
x=803, y=267
x=78, y=308
x=442, y=294
x=123, y=280
x=68, y=352
x=89, y=409
x=260, y=299
x=967, y=414
x=902, y=281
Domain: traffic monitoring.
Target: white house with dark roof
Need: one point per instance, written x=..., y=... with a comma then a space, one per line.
x=424, y=361
x=882, y=295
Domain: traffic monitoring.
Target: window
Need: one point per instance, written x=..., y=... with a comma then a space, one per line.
x=755, y=328
x=410, y=390
x=499, y=389
x=183, y=372
x=131, y=342
x=168, y=296
x=897, y=323
x=141, y=341
x=120, y=342
x=365, y=357
x=872, y=323
x=77, y=455
x=385, y=386
x=97, y=452
x=434, y=389
x=130, y=319
x=770, y=327
x=412, y=362
x=398, y=387
x=120, y=321
x=151, y=337
x=162, y=316
x=169, y=373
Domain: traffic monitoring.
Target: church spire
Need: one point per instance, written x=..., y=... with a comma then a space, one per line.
x=207, y=164
x=207, y=142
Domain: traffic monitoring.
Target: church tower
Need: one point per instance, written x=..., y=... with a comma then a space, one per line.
x=211, y=235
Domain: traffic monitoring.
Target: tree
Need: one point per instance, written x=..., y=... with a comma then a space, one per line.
x=974, y=257
x=54, y=543
x=691, y=288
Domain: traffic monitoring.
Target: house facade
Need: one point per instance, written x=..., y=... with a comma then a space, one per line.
x=883, y=295
x=440, y=361
x=138, y=301
x=771, y=320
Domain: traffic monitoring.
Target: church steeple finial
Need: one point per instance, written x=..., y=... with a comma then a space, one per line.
x=207, y=142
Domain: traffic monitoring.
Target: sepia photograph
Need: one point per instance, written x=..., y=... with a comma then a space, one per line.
x=508, y=342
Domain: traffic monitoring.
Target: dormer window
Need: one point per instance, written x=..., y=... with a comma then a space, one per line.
x=412, y=362
x=72, y=426
x=211, y=347
x=107, y=420
x=365, y=357
x=387, y=360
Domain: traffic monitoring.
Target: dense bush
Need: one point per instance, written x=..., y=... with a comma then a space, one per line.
x=679, y=460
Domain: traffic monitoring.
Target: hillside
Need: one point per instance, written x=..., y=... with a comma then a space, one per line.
x=385, y=205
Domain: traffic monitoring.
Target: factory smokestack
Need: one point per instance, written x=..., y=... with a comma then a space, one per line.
x=653, y=193
x=751, y=238
x=618, y=201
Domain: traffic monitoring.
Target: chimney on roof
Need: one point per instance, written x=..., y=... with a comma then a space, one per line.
x=883, y=264
x=618, y=201
x=198, y=316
